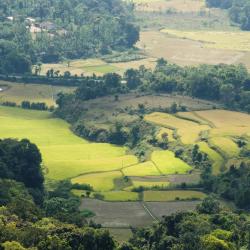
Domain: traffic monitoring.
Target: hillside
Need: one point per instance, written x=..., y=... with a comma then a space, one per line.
x=124, y=125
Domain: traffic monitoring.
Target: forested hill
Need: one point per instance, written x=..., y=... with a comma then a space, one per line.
x=49, y=30
x=239, y=10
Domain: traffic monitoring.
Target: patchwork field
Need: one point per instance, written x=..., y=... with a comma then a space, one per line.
x=127, y=214
x=17, y=92
x=110, y=171
x=215, y=132
x=193, y=48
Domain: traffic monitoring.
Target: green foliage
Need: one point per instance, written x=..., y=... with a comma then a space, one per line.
x=238, y=10
x=21, y=161
x=191, y=230
x=66, y=29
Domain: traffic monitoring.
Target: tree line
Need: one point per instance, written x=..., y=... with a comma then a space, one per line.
x=239, y=11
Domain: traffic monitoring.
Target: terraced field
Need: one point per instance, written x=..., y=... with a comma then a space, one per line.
x=215, y=131
x=110, y=171
x=188, y=131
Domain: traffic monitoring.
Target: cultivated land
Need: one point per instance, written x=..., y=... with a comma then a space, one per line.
x=188, y=131
x=172, y=195
x=104, y=166
x=187, y=33
x=64, y=154
x=215, y=132
x=126, y=214
x=18, y=92
x=99, y=67
x=174, y=5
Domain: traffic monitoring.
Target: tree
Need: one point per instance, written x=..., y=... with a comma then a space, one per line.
x=12, y=245
x=209, y=206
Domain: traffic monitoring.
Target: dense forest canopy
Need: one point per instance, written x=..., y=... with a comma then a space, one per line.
x=239, y=10
x=49, y=31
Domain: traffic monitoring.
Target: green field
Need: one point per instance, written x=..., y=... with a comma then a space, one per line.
x=103, y=166
x=120, y=196
x=141, y=169
x=96, y=66
x=99, y=181
x=226, y=145
x=64, y=154
x=167, y=163
x=214, y=156
x=172, y=195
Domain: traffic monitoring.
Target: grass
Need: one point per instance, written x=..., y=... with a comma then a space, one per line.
x=172, y=195
x=142, y=169
x=167, y=163
x=120, y=196
x=18, y=92
x=214, y=156
x=65, y=155
x=216, y=39
x=99, y=181
x=187, y=130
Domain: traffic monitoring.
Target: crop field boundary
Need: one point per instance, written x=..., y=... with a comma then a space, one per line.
x=221, y=153
x=205, y=121
x=148, y=211
x=103, y=172
x=209, y=123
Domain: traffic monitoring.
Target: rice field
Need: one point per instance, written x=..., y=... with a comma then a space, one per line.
x=167, y=163
x=215, y=157
x=239, y=41
x=18, y=92
x=226, y=145
x=163, y=5
x=188, y=131
x=120, y=196
x=148, y=184
x=172, y=195
x=65, y=155
x=226, y=119
x=96, y=66
x=191, y=116
x=142, y=169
